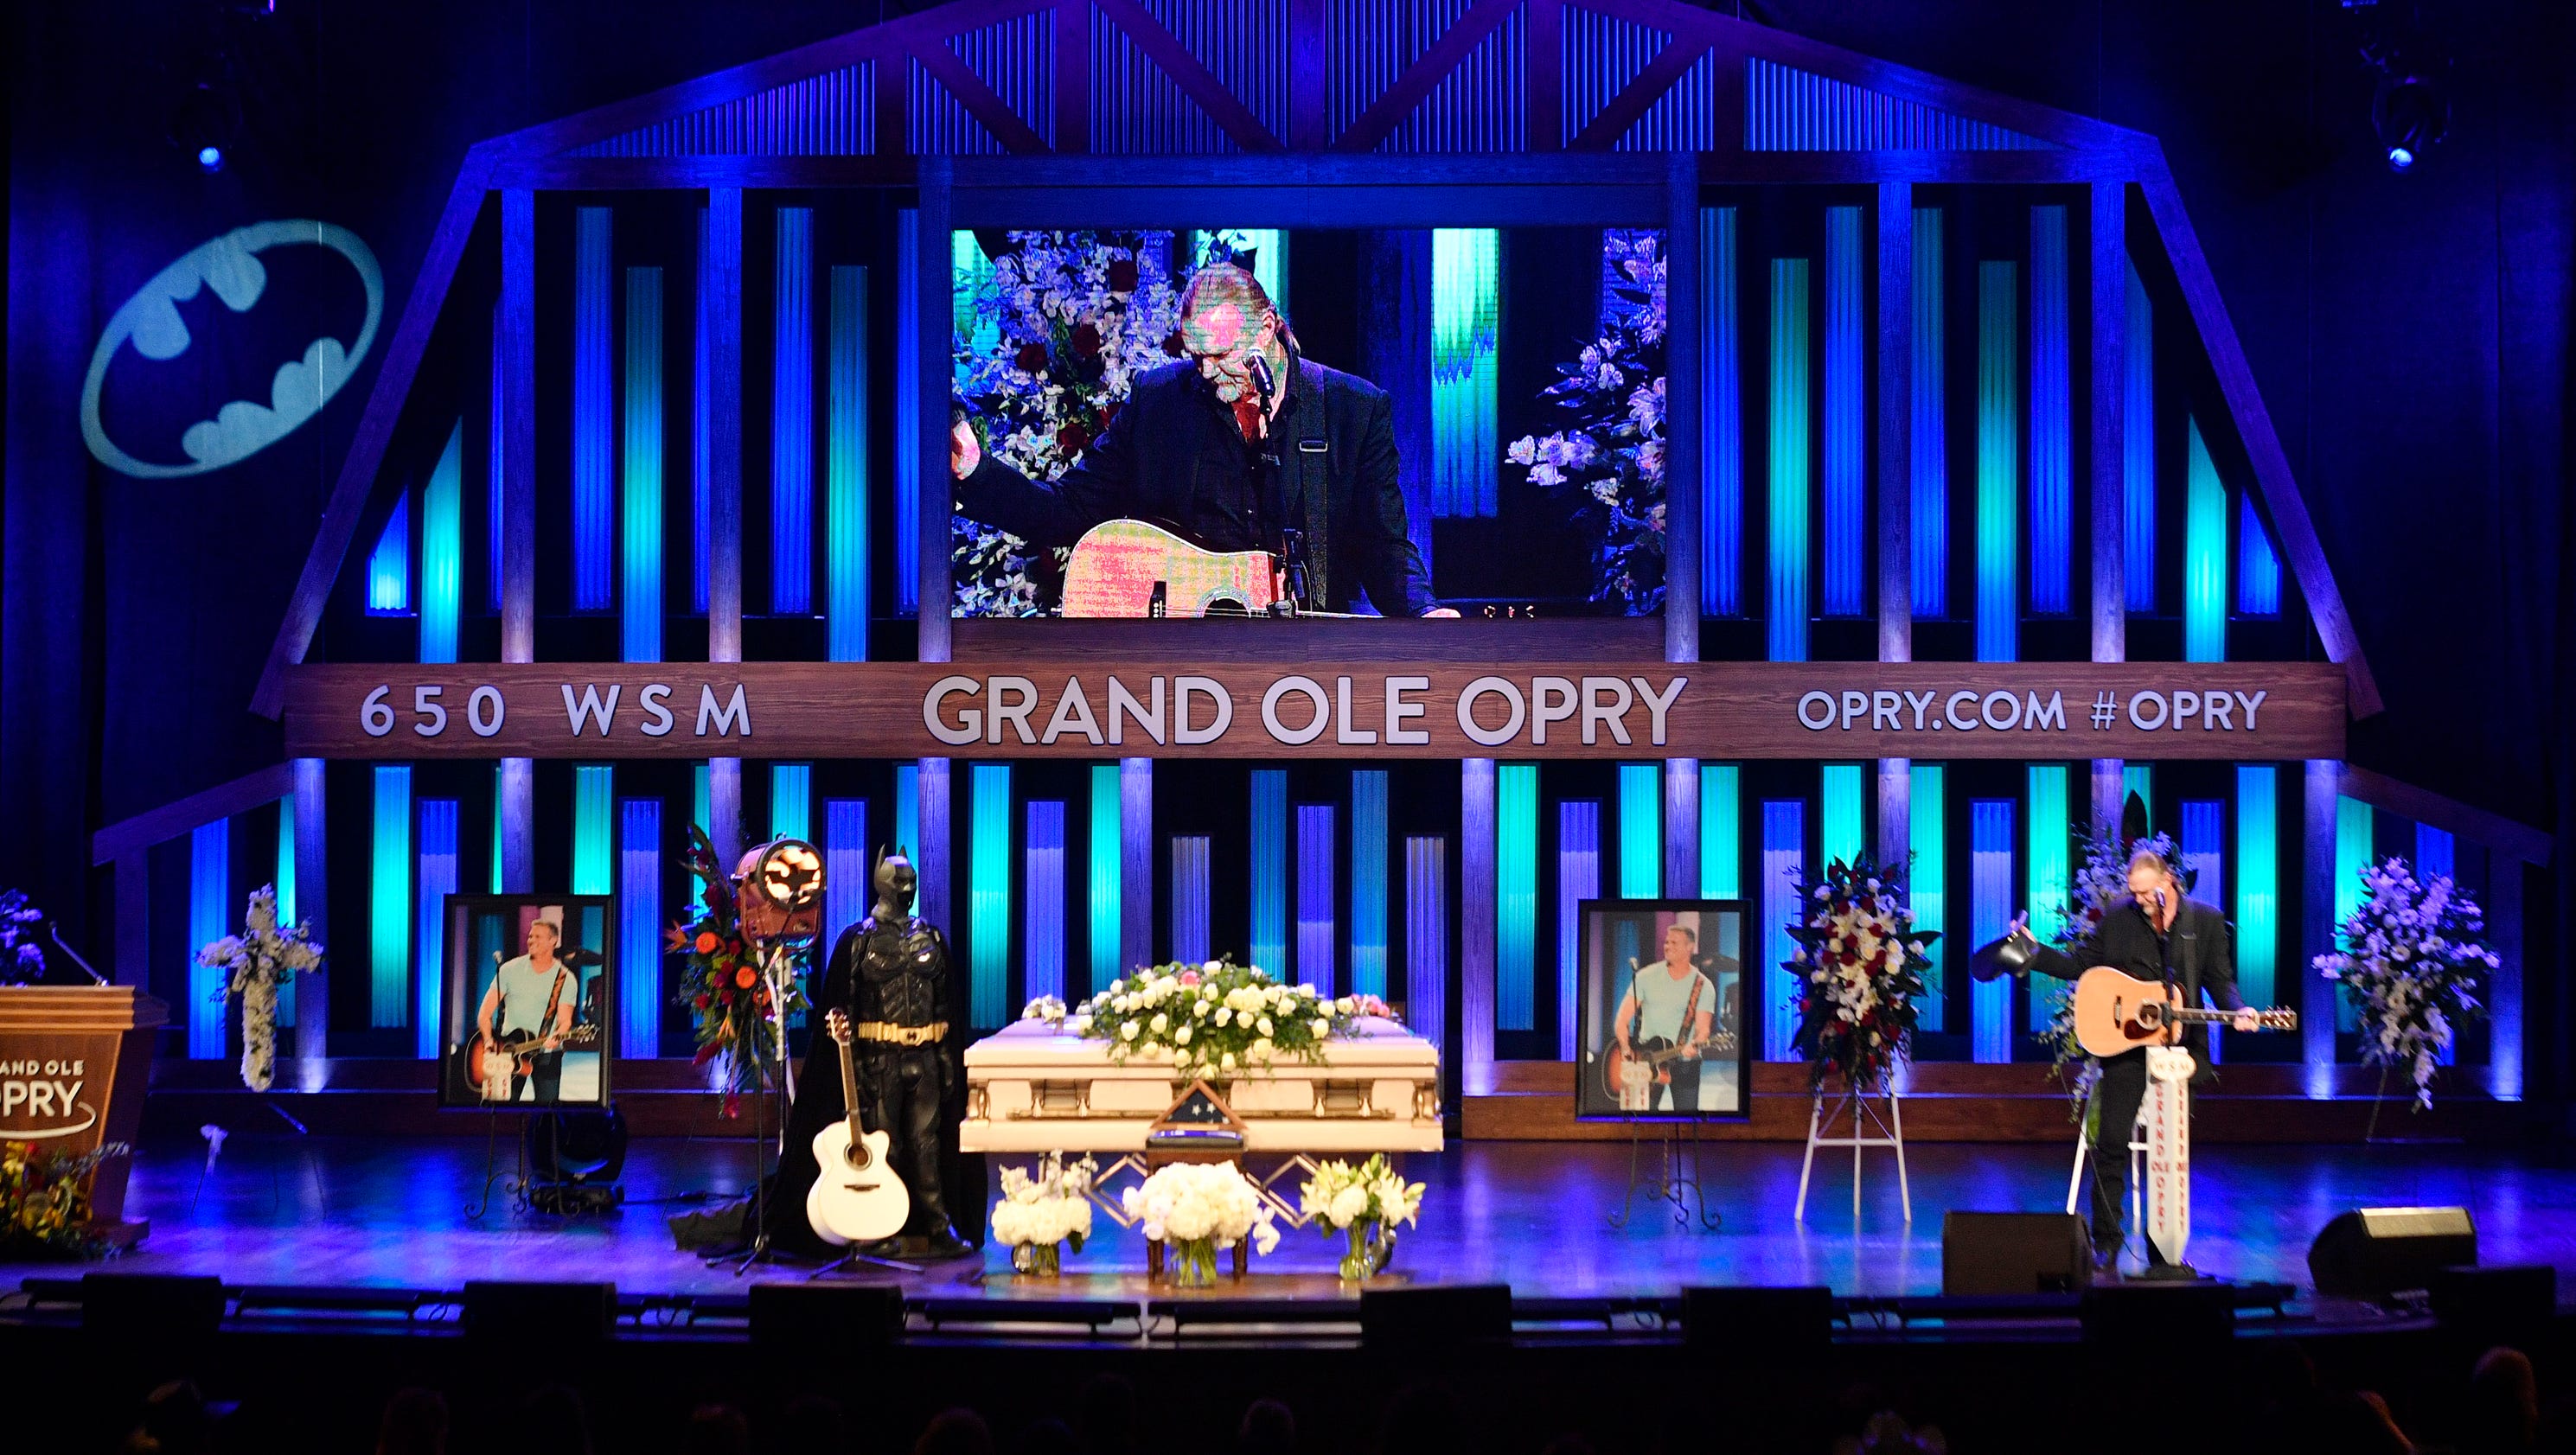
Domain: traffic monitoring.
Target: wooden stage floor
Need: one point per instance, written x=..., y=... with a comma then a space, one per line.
x=390, y=1212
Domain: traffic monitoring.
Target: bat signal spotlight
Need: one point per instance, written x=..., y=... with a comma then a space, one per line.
x=781, y=891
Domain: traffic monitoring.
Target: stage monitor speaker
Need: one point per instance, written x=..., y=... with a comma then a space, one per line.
x=2014, y=1253
x=1456, y=1314
x=156, y=1306
x=1759, y=1323
x=2151, y=1317
x=554, y=1315
x=824, y=1318
x=2372, y=1252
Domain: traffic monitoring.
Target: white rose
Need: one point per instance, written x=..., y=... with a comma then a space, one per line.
x=1321, y=1027
x=1263, y=1025
x=1127, y=1031
x=1182, y=1036
x=1348, y=1206
x=1159, y=1024
x=1224, y=1015
x=1211, y=967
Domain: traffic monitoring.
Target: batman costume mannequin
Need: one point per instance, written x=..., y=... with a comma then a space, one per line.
x=889, y=975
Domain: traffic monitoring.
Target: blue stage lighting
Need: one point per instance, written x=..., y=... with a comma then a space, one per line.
x=2400, y=158
x=211, y=157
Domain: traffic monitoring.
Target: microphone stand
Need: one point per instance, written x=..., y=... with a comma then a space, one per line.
x=1290, y=542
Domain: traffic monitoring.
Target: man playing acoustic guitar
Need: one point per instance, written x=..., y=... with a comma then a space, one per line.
x=533, y=996
x=1670, y=1002
x=2154, y=932
x=1244, y=445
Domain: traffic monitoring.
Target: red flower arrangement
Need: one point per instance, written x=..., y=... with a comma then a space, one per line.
x=720, y=980
x=1859, y=968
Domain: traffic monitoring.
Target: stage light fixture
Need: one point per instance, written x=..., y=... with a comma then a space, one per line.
x=2411, y=113
x=210, y=157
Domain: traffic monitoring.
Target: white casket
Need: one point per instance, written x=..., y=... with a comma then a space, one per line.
x=1032, y=1088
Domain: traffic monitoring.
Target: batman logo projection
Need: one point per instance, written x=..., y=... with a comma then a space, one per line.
x=228, y=276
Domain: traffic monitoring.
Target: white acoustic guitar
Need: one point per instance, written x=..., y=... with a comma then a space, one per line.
x=856, y=1198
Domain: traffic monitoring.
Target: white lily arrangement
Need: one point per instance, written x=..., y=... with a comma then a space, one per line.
x=1040, y=1214
x=262, y=958
x=2413, y=962
x=1340, y=1196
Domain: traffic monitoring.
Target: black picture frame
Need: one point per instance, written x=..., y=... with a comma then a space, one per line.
x=484, y=931
x=1622, y=938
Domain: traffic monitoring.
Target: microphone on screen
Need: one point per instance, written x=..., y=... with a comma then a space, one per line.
x=1262, y=384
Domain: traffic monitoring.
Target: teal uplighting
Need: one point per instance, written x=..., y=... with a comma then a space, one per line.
x=845, y=471
x=2046, y=865
x=1269, y=825
x=1786, y=600
x=2204, y=556
x=2052, y=418
x=1927, y=887
x=1998, y=462
x=389, y=564
x=1641, y=831
x=2138, y=449
x=389, y=907
x=594, y=829
x=499, y=770
x=1721, y=524
x=1721, y=831
x=1784, y=860
x=907, y=808
x=2258, y=566
x=285, y=882
x=1930, y=405
x=701, y=789
x=1267, y=247
x=791, y=416
x=437, y=880
x=1103, y=902
x=988, y=894
x=1990, y=911
x=210, y=909
x=442, y=550
x=640, y=513
x=1845, y=457
x=2354, y=845
x=594, y=410
x=969, y=271
x=791, y=801
x=849, y=863
x=1368, y=882
x=1516, y=897
x=1465, y=287
x=2258, y=881
x=2140, y=779
x=907, y=412
x=1839, y=813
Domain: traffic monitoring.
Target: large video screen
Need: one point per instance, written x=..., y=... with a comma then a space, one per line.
x=1328, y=422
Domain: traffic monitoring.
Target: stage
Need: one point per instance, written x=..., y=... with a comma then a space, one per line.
x=390, y=1213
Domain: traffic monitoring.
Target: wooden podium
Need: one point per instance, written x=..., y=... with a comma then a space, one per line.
x=74, y=1062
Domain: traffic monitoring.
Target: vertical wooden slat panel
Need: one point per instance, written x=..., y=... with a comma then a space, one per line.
x=1135, y=862
x=1895, y=422
x=932, y=347
x=723, y=275
x=516, y=787
x=2503, y=904
x=1547, y=77
x=2324, y=784
x=1477, y=904
x=1309, y=130
x=2107, y=275
x=1681, y=410
x=312, y=869
x=1073, y=75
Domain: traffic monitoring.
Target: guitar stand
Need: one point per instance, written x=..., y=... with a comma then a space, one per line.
x=516, y=1184
x=1661, y=1177
x=845, y=1264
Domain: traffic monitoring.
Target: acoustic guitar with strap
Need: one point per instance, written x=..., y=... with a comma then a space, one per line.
x=2117, y=1012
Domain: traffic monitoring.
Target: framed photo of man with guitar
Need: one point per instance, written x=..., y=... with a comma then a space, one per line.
x=1663, y=1027
x=526, y=1000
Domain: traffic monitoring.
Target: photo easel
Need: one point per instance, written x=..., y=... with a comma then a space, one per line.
x=1858, y=1102
x=1664, y=1180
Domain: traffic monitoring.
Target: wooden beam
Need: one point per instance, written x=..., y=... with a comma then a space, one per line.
x=1684, y=296
x=515, y=806
x=931, y=349
x=1544, y=104
x=375, y=430
x=1895, y=205
x=1603, y=131
x=988, y=109
x=2298, y=534
x=666, y=174
x=170, y=820
x=2503, y=835
x=518, y=361
x=1073, y=76
x=1681, y=829
x=932, y=862
x=2107, y=273
x=1895, y=840
x=1194, y=79
x=1846, y=169
x=723, y=273
x=1382, y=117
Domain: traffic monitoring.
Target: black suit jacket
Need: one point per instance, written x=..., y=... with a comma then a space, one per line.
x=2203, y=947
x=1174, y=454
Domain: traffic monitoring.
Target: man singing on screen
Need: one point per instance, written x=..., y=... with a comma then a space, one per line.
x=1242, y=446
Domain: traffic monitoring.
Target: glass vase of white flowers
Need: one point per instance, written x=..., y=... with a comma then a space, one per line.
x=262, y=958
x=1194, y=1210
x=1364, y=1204
x=1040, y=1214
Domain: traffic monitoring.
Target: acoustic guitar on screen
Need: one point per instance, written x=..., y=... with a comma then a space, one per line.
x=1133, y=568
x=2115, y=1012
